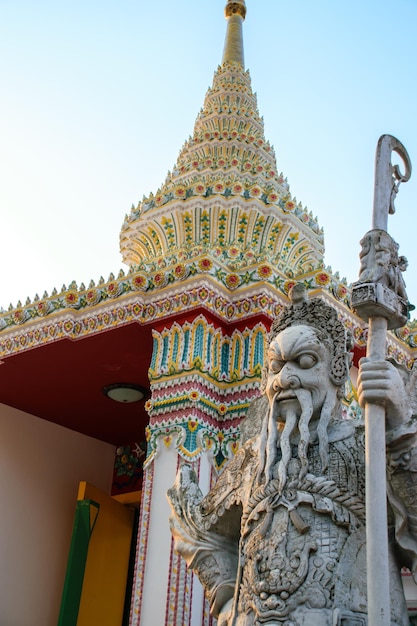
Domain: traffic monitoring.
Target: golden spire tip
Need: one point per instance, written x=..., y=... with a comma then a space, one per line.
x=235, y=7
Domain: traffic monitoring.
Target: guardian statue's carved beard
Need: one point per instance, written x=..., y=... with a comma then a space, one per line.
x=300, y=395
x=276, y=436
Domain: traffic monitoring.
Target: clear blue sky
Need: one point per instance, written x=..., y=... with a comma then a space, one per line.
x=97, y=98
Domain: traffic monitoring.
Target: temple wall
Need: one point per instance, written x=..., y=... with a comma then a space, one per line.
x=41, y=465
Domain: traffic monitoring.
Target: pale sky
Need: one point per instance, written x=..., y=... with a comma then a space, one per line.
x=97, y=98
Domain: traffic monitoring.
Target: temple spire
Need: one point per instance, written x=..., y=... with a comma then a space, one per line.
x=235, y=12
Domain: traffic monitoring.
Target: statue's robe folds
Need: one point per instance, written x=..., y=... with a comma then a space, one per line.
x=298, y=557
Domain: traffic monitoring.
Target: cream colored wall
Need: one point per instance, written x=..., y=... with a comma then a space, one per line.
x=41, y=465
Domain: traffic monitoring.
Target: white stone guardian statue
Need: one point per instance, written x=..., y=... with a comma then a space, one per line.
x=280, y=540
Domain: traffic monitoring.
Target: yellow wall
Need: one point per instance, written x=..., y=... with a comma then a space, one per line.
x=104, y=588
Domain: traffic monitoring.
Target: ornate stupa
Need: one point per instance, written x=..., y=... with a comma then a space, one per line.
x=212, y=254
x=224, y=208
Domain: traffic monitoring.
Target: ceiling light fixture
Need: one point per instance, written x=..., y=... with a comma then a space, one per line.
x=125, y=392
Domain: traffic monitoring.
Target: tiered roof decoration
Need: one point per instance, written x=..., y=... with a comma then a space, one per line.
x=225, y=189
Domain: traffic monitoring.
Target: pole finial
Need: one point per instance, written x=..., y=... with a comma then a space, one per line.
x=387, y=178
x=380, y=291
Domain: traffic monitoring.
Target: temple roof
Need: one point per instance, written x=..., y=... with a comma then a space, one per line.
x=224, y=217
x=226, y=183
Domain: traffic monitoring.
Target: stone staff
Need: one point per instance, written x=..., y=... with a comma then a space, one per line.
x=380, y=299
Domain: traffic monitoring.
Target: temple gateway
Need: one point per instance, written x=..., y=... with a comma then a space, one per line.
x=107, y=389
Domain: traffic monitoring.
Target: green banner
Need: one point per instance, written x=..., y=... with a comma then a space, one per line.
x=85, y=518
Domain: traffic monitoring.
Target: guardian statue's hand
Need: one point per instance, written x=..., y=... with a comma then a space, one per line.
x=380, y=382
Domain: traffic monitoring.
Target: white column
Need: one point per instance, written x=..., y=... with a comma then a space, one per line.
x=150, y=592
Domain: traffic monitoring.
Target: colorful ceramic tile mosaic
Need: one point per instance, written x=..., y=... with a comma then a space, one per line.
x=128, y=468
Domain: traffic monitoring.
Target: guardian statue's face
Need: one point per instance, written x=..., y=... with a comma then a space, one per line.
x=299, y=365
